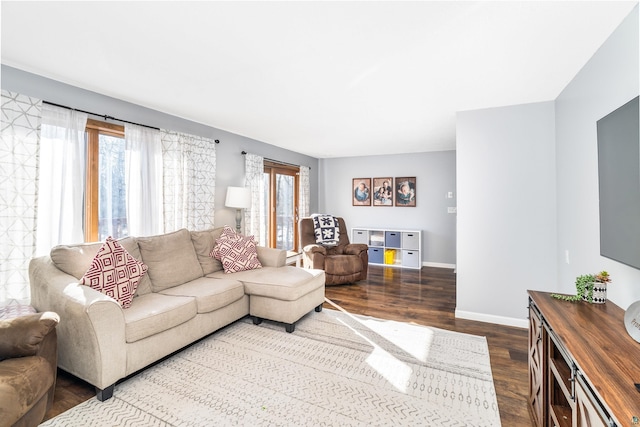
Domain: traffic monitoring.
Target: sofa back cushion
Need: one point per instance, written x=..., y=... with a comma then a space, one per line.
x=203, y=242
x=76, y=259
x=171, y=259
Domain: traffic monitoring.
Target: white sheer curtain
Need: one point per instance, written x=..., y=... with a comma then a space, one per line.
x=19, y=140
x=61, y=178
x=255, y=217
x=305, y=190
x=189, y=173
x=143, y=177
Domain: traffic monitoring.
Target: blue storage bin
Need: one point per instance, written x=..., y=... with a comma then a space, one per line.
x=376, y=255
x=392, y=239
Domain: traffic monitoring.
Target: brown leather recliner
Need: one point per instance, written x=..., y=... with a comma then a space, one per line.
x=28, y=368
x=344, y=263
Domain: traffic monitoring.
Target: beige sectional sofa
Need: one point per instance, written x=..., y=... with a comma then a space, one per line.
x=184, y=296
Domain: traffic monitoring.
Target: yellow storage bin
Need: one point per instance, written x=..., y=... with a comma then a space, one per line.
x=389, y=256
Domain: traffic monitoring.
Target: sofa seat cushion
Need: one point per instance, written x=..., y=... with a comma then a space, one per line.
x=210, y=294
x=284, y=283
x=154, y=313
x=342, y=265
x=171, y=258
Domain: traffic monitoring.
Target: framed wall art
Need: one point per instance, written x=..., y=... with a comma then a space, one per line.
x=361, y=191
x=383, y=191
x=405, y=191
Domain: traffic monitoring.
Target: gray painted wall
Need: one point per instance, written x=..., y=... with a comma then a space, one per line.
x=435, y=174
x=229, y=160
x=528, y=190
x=607, y=81
x=506, y=209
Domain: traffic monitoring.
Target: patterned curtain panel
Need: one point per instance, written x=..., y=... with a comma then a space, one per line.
x=305, y=190
x=255, y=218
x=189, y=172
x=143, y=177
x=62, y=174
x=19, y=138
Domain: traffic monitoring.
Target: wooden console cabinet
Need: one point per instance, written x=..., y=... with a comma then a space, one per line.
x=582, y=365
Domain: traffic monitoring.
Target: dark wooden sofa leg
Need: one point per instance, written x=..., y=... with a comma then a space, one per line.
x=318, y=308
x=289, y=327
x=257, y=320
x=105, y=393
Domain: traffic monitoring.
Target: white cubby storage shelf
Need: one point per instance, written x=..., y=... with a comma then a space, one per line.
x=391, y=247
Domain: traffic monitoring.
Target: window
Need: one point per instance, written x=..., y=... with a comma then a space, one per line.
x=281, y=205
x=105, y=211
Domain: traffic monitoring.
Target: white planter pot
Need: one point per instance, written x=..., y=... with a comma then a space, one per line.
x=599, y=293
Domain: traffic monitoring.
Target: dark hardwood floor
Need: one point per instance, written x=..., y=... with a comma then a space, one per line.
x=425, y=297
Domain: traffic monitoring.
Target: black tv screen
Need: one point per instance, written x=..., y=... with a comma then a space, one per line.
x=619, y=184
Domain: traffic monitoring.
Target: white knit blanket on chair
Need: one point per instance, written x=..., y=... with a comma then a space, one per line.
x=326, y=229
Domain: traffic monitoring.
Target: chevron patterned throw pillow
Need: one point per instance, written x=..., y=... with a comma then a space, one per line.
x=115, y=273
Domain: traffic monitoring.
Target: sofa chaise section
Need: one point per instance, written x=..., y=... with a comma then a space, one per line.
x=281, y=294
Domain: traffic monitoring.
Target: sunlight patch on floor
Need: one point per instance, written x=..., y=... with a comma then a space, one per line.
x=416, y=345
x=387, y=365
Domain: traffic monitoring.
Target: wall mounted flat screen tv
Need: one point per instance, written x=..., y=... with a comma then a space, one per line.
x=619, y=184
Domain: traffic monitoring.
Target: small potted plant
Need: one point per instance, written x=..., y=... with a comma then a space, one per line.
x=589, y=287
x=598, y=289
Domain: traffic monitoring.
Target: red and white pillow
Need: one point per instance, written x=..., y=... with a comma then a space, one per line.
x=114, y=272
x=235, y=251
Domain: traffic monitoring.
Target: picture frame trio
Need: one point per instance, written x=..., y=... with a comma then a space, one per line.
x=384, y=191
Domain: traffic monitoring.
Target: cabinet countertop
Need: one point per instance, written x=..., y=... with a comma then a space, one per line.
x=595, y=337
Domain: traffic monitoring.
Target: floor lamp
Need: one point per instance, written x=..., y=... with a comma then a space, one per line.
x=238, y=198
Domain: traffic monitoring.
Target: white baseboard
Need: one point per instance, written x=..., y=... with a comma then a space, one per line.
x=438, y=265
x=490, y=318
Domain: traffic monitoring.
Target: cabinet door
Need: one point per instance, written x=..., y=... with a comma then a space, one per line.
x=588, y=415
x=537, y=368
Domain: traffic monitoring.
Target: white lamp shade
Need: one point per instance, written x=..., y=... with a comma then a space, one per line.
x=238, y=197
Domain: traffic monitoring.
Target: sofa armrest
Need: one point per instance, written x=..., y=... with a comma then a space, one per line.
x=91, y=332
x=355, y=248
x=270, y=257
x=24, y=335
x=313, y=256
x=314, y=249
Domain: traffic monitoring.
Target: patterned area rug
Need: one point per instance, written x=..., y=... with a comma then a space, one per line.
x=335, y=369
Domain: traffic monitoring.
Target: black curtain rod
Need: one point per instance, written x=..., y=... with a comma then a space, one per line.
x=276, y=161
x=105, y=117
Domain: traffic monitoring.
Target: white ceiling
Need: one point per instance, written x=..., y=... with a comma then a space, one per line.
x=327, y=79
